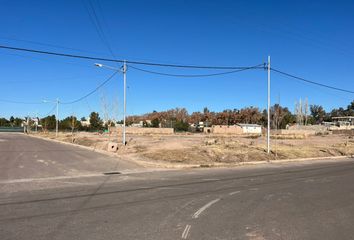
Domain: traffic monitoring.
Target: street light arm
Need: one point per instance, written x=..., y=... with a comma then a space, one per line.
x=48, y=101
x=108, y=67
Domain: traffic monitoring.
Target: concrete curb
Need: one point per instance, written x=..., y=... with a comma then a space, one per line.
x=222, y=165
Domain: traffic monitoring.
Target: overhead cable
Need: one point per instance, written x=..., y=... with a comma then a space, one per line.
x=312, y=82
x=93, y=91
x=117, y=60
x=195, y=75
x=51, y=111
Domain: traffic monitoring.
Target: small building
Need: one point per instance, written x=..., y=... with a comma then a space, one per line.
x=347, y=121
x=85, y=123
x=140, y=124
x=250, y=128
x=237, y=129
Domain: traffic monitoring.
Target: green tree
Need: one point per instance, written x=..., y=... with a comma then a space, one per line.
x=318, y=113
x=281, y=117
x=17, y=122
x=70, y=123
x=350, y=109
x=4, y=122
x=155, y=123
x=181, y=126
x=48, y=123
x=11, y=120
x=95, y=121
x=340, y=112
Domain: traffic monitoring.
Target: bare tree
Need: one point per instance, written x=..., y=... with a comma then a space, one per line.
x=109, y=115
x=73, y=125
x=299, y=112
x=306, y=110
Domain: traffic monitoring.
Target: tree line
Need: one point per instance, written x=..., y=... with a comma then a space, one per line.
x=280, y=116
x=180, y=119
x=49, y=122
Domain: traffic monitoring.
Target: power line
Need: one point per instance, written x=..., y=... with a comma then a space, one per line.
x=98, y=27
x=50, y=111
x=312, y=82
x=93, y=91
x=117, y=60
x=40, y=59
x=195, y=75
x=46, y=44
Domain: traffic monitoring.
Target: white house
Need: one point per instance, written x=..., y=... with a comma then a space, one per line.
x=250, y=128
x=85, y=123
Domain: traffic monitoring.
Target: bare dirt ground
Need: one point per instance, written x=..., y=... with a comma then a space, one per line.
x=209, y=150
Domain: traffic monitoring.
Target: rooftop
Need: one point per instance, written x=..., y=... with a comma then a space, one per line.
x=248, y=125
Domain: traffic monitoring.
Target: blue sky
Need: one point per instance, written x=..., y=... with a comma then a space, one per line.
x=310, y=39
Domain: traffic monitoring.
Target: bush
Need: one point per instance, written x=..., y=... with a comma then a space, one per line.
x=181, y=126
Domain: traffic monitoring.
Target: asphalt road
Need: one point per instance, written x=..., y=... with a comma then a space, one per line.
x=313, y=200
x=25, y=157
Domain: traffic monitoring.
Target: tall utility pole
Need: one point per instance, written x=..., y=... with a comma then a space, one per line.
x=125, y=98
x=28, y=123
x=124, y=71
x=37, y=121
x=268, y=128
x=57, y=119
x=56, y=115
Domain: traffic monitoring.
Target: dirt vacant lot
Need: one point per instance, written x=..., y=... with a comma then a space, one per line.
x=213, y=150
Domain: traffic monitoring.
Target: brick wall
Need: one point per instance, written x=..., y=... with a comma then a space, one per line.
x=221, y=129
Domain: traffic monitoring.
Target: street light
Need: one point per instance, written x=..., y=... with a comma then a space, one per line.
x=124, y=71
x=56, y=116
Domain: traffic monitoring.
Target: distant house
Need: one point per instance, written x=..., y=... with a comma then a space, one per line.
x=85, y=123
x=346, y=122
x=197, y=127
x=140, y=124
x=250, y=128
x=236, y=129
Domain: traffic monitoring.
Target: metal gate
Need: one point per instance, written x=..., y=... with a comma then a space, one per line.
x=11, y=129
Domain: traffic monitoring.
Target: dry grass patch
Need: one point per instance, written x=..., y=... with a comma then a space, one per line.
x=207, y=150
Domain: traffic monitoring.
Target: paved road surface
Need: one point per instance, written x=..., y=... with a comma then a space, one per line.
x=272, y=201
x=23, y=157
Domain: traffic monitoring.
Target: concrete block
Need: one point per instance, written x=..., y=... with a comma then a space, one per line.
x=112, y=147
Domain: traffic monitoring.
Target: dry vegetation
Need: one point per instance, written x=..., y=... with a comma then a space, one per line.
x=207, y=150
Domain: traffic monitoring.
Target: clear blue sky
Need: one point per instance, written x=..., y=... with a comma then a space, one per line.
x=312, y=39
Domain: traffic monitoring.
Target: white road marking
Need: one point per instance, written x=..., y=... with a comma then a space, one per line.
x=186, y=231
x=233, y=193
x=43, y=161
x=211, y=179
x=78, y=183
x=202, y=209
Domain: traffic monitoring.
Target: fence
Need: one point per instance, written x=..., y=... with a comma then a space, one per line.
x=11, y=129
